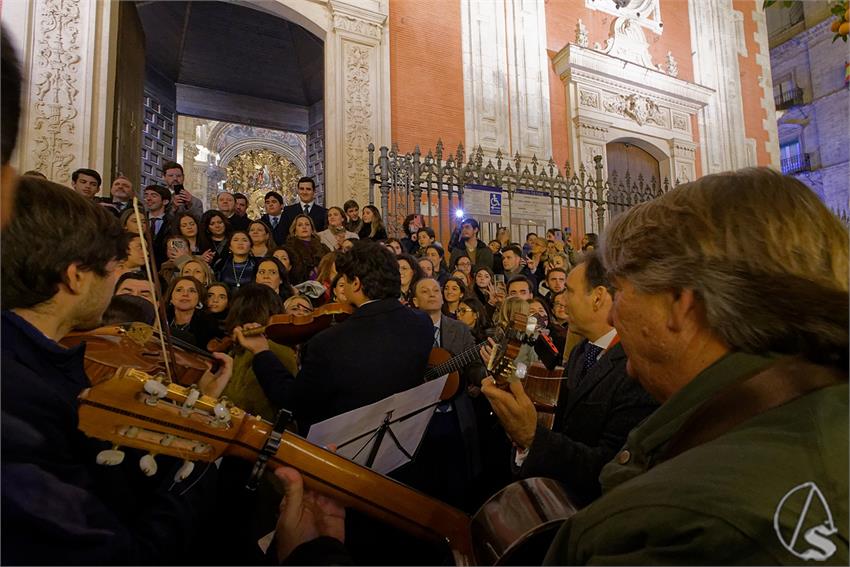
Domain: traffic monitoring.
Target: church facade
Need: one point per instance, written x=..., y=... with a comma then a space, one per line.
x=686, y=81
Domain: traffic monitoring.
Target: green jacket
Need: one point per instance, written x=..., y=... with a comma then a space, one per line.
x=735, y=500
x=243, y=388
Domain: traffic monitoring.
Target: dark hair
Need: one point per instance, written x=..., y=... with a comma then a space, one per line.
x=333, y=287
x=255, y=303
x=171, y=165
x=553, y=231
x=160, y=190
x=530, y=234
x=305, y=179
x=140, y=276
x=562, y=270
x=457, y=257
x=35, y=173
x=273, y=195
x=202, y=291
x=418, y=273
x=477, y=292
x=11, y=100
x=439, y=250
x=237, y=196
x=350, y=204
x=176, y=229
x=513, y=248
x=375, y=266
x=459, y=282
x=406, y=226
x=429, y=231
x=595, y=274
x=520, y=278
x=482, y=322
x=592, y=240
x=129, y=309
x=471, y=222
x=285, y=289
x=86, y=171
x=204, y=232
x=51, y=229
x=497, y=242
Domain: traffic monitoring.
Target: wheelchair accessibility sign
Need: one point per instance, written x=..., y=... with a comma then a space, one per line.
x=496, y=204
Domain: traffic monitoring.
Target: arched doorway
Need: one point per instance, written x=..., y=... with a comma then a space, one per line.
x=626, y=158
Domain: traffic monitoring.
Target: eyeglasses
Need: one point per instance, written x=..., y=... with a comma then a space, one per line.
x=463, y=310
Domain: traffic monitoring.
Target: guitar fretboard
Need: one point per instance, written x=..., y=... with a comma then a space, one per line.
x=457, y=362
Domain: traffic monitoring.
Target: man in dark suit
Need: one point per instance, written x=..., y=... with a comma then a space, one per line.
x=274, y=217
x=380, y=350
x=157, y=198
x=306, y=205
x=598, y=405
x=450, y=449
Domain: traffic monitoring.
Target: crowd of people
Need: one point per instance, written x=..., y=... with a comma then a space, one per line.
x=703, y=339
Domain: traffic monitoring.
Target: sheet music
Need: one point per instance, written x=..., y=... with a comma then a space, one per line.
x=353, y=432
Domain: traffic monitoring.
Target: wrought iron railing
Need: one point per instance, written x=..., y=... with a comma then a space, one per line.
x=437, y=186
x=788, y=98
x=797, y=164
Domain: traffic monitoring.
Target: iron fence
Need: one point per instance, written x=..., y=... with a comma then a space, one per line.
x=525, y=196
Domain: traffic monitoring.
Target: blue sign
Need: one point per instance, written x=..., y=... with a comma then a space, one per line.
x=496, y=204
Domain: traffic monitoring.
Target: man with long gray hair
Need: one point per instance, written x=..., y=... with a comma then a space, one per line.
x=732, y=306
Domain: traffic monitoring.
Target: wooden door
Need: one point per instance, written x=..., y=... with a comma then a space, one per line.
x=129, y=96
x=624, y=157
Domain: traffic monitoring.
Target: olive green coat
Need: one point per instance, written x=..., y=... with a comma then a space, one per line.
x=738, y=499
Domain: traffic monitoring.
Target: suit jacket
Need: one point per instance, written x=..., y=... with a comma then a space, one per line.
x=279, y=235
x=318, y=213
x=166, y=228
x=380, y=350
x=595, y=414
x=238, y=222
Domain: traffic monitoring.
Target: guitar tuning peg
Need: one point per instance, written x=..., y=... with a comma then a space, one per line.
x=110, y=457
x=191, y=399
x=184, y=471
x=222, y=413
x=155, y=390
x=148, y=465
x=521, y=370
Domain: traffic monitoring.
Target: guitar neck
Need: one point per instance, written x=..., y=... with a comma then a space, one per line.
x=456, y=363
x=363, y=489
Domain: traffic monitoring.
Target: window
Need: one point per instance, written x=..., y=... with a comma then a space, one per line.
x=792, y=157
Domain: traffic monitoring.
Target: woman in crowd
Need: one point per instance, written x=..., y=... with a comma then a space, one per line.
x=394, y=244
x=308, y=249
x=472, y=313
x=435, y=254
x=176, y=247
x=503, y=235
x=238, y=267
x=410, y=273
x=135, y=260
x=557, y=335
x=484, y=289
x=254, y=304
x=454, y=290
x=326, y=274
x=187, y=227
x=184, y=302
x=128, y=220
x=272, y=273
x=198, y=269
x=215, y=229
x=496, y=248
x=425, y=237
x=347, y=244
x=298, y=305
x=218, y=303
x=285, y=256
x=373, y=226
x=261, y=242
x=427, y=267
x=338, y=290
x=411, y=226
x=589, y=241
x=463, y=264
x=336, y=233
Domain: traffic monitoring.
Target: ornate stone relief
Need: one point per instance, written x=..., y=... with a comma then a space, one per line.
x=628, y=42
x=641, y=109
x=589, y=98
x=358, y=26
x=56, y=87
x=681, y=122
x=672, y=65
x=646, y=13
x=581, y=34
x=358, y=116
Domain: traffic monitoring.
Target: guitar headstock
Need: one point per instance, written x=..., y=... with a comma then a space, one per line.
x=514, y=350
x=138, y=410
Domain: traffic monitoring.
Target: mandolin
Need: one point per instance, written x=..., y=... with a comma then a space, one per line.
x=135, y=409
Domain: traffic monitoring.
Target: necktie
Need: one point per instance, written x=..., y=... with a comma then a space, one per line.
x=154, y=225
x=436, y=336
x=306, y=209
x=274, y=222
x=591, y=352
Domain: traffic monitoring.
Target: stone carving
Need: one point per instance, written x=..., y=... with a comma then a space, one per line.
x=680, y=122
x=588, y=152
x=646, y=13
x=358, y=115
x=639, y=108
x=591, y=129
x=628, y=42
x=589, y=98
x=581, y=34
x=672, y=65
x=358, y=26
x=683, y=174
x=55, y=86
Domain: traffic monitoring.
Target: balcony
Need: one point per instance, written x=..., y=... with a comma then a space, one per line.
x=797, y=164
x=788, y=98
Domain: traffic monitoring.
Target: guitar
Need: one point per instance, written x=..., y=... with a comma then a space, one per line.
x=441, y=362
x=135, y=409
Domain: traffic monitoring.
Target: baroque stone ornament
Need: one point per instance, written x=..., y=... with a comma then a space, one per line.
x=358, y=115
x=55, y=87
x=358, y=26
x=628, y=42
x=672, y=65
x=639, y=108
x=589, y=98
x=581, y=34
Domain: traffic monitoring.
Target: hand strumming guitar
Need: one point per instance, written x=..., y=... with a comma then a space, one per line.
x=255, y=344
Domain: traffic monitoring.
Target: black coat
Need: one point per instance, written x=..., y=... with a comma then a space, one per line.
x=381, y=349
x=58, y=506
x=318, y=213
x=280, y=232
x=595, y=414
x=166, y=228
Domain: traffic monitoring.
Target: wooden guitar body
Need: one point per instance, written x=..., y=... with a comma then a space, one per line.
x=440, y=356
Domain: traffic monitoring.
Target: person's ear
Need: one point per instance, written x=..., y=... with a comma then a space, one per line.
x=75, y=279
x=683, y=307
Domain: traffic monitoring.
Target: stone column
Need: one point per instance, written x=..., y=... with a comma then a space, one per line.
x=591, y=137
x=683, y=162
x=357, y=106
x=64, y=47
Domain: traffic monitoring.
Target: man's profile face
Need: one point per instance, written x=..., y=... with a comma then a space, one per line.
x=510, y=260
x=273, y=207
x=306, y=192
x=96, y=293
x=85, y=185
x=172, y=177
x=519, y=289
x=241, y=207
